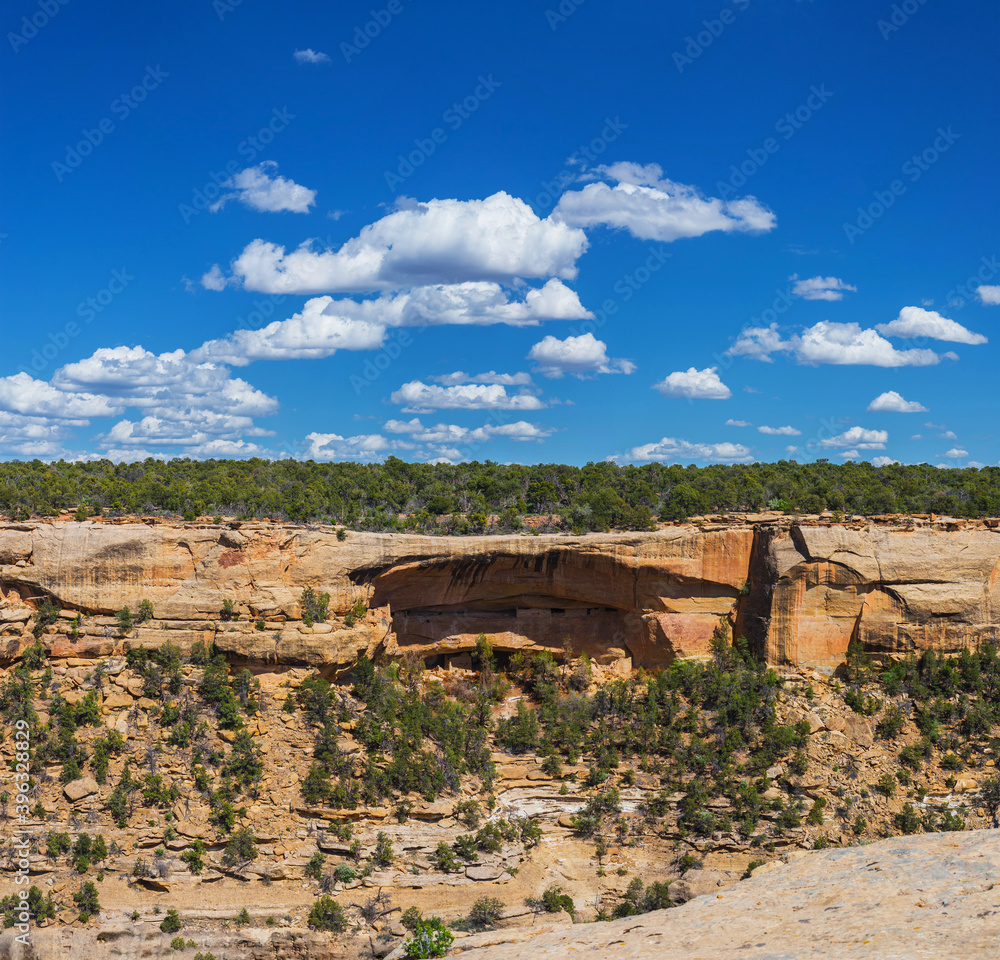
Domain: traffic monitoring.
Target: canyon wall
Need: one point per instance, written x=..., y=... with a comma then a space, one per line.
x=799, y=589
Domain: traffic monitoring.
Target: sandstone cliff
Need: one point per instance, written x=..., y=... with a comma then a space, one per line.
x=799, y=590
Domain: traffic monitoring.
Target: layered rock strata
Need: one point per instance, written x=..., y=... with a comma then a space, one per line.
x=799, y=590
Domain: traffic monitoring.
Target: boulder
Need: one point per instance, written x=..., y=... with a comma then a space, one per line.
x=79, y=789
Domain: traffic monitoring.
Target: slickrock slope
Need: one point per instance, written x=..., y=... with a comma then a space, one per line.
x=934, y=896
x=799, y=590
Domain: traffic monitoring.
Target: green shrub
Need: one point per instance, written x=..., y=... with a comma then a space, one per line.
x=486, y=912
x=431, y=938
x=554, y=901
x=171, y=923
x=241, y=849
x=314, y=868
x=327, y=914
x=343, y=873
x=87, y=902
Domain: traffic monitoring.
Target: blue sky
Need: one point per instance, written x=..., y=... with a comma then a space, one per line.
x=536, y=232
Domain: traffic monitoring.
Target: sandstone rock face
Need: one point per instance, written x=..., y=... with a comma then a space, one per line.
x=916, y=897
x=896, y=591
x=799, y=591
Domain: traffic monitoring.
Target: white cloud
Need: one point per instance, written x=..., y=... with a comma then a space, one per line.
x=22, y=394
x=883, y=461
x=314, y=333
x=851, y=455
x=918, y=322
x=447, y=433
x=441, y=241
x=257, y=189
x=820, y=288
x=214, y=279
x=892, y=402
x=310, y=56
x=759, y=343
x=833, y=343
x=780, y=431
x=847, y=343
x=988, y=295
x=791, y=449
x=491, y=376
x=165, y=382
x=26, y=436
x=948, y=435
x=738, y=423
x=578, y=356
x=858, y=438
x=418, y=397
x=326, y=325
x=696, y=384
x=671, y=449
x=956, y=453
x=652, y=207
x=332, y=446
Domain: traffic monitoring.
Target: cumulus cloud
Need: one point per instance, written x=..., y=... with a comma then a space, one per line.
x=695, y=384
x=440, y=241
x=918, y=322
x=673, y=450
x=883, y=461
x=858, y=438
x=780, y=431
x=326, y=325
x=957, y=453
x=821, y=288
x=310, y=56
x=832, y=343
x=652, y=207
x=332, y=446
x=214, y=279
x=168, y=381
x=32, y=436
x=738, y=423
x=310, y=335
x=419, y=397
x=491, y=376
x=22, y=394
x=256, y=188
x=449, y=433
x=989, y=295
x=580, y=356
x=759, y=343
x=892, y=402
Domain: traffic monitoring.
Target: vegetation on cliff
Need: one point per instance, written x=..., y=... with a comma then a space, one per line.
x=476, y=496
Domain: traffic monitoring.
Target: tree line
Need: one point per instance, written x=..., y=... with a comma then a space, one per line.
x=478, y=496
